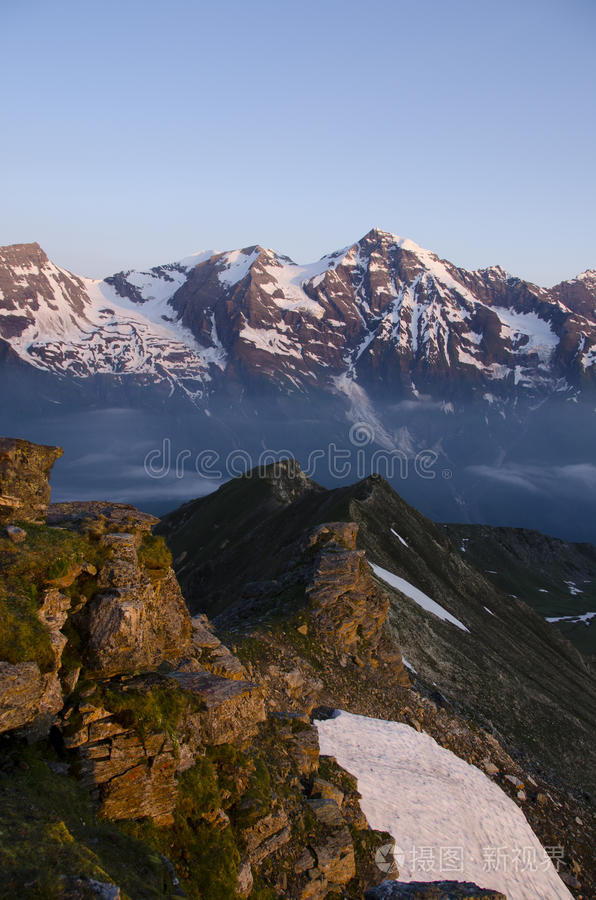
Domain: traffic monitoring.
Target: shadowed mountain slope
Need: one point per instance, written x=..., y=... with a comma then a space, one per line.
x=487, y=653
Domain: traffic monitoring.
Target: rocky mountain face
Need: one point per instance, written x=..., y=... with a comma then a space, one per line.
x=380, y=349
x=143, y=757
x=491, y=654
x=384, y=315
x=492, y=681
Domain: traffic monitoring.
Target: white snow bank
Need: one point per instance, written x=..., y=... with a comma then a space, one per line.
x=541, y=337
x=416, y=595
x=236, y=266
x=399, y=537
x=449, y=820
x=586, y=618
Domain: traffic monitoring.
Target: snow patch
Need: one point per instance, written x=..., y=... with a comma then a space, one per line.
x=541, y=339
x=270, y=340
x=235, y=266
x=417, y=596
x=426, y=797
x=399, y=537
x=586, y=618
x=573, y=590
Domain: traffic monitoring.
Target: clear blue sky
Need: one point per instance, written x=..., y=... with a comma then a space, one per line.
x=137, y=132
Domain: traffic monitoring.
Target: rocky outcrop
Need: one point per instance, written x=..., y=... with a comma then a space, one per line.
x=26, y=695
x=25, y=479
x=134, y=622
x=344, y=604
x=213, y=655
x=29, y=696
x=129, y=752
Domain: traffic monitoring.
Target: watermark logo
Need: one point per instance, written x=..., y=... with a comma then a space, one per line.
x=355, y=460
x=361, y=434
x=388, y=857
x=442, y=860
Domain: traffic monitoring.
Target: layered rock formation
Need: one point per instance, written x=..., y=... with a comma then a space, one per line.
x=158, y=721
x=316, y=630
x=24, y=479
x=193, y=754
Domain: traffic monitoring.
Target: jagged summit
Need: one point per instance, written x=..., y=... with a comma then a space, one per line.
x=382, y=312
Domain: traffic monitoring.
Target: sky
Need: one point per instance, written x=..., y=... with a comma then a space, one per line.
x=137, y=132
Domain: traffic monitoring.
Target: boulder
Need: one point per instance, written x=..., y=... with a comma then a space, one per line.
x=136, y=622
x=230, y=709
x=25, y=479
x=431, y=890
x=335, y=857
x=15, y=534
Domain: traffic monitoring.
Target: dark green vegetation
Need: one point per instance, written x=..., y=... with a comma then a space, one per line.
x=153, y=553
x=45, y=557
x=224, y=794
x=513, y=673
x=49, y=829
x=147, y=709
x=554, y=577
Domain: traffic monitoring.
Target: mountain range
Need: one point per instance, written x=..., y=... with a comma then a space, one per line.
x=384, y=314
x=378, y=348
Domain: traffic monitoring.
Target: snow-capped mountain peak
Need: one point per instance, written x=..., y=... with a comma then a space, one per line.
x=383, y=312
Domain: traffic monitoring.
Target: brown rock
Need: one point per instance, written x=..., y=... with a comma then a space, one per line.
x=15, y=534
x=327, y=812
x=335, y=858
x=231, y=709
x=266, y=836
x=245, y=880
x=316, y=889
x=136, y=623
x=303, y=747
x=29, y=697
x=24, y=479
x=202, y=635
x=326, y=790
x=304, y=862
x=222, y=661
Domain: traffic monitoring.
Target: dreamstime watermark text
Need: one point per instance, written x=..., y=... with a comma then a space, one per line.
x=355, y=459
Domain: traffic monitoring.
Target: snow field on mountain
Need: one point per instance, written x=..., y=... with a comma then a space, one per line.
x=541, y=337
x=416, y=595
x=449, y=820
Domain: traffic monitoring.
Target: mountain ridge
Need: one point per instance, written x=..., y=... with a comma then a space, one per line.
x=383, y=311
